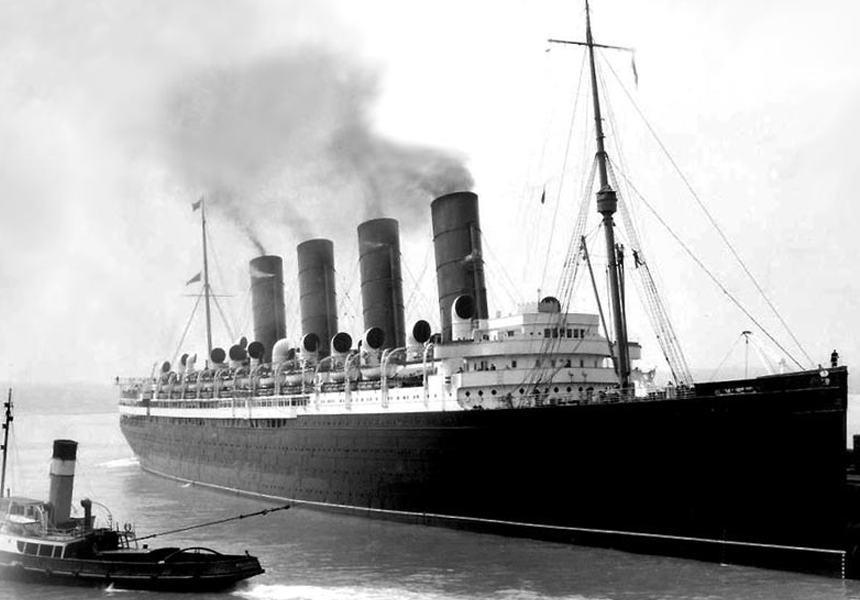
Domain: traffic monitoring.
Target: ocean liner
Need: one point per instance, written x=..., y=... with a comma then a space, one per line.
x=531, y=424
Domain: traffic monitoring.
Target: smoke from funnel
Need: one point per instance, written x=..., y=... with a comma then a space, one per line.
x=288, y=140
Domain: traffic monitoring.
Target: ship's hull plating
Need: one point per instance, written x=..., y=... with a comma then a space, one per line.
x=754, y=478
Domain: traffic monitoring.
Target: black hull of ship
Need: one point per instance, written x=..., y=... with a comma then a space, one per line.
x=749, y=472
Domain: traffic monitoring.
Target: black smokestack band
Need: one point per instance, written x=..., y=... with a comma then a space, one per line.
x=459, y=261
x=381, y=279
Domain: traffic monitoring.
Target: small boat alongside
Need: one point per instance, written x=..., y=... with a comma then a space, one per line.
x=40, y=541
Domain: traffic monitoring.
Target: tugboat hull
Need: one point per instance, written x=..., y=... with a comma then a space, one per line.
x=139, y=570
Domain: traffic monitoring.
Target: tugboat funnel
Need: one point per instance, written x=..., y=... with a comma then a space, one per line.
x=62, y=480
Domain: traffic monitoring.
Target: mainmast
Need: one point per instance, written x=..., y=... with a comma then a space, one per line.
x=207, y=292
x=607, y=203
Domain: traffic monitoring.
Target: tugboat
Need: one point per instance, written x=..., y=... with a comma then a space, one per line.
x=42, y=542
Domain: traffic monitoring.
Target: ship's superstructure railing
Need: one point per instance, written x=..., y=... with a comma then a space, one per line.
x=332, y=399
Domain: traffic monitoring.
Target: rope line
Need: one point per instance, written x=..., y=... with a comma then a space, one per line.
x=218, y=522
x=713, y=278
x=714, y=223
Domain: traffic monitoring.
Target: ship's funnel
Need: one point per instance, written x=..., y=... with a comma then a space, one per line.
x=62, y=480
x=317, y=293
x=459, y=261
x=267, y=301
x=381, y=280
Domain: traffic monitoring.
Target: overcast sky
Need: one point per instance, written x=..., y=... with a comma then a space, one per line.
x=301, y=119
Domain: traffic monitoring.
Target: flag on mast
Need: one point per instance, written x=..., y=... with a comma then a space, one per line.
x=194, y=279
x=198, y=204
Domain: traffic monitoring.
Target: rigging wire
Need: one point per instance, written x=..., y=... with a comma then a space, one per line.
x=725, y=358
x=224, y=320
x=187, y=327
x=646, y=287
x=416, y=296
x=563, y=171
x=567, y=285
x=347, y=307
x=230, y=333
x=495, y=265
x=716, y=226
x=713, y=278
x=527, y=217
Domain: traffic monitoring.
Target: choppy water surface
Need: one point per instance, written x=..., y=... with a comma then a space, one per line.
x=315, y=556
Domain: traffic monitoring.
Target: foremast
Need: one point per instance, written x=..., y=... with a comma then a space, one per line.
x=607, y=204
x=207, y=292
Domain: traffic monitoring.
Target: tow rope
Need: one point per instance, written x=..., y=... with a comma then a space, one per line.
x=210, y=523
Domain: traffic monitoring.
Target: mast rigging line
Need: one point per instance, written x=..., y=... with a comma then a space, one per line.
x=224, y=320
x=725, y=358
x=497, y=266
x=563, y=171
x=218, y=522
x=185, y=331
x=649, y=293
x=702, y=266
x=713, y=222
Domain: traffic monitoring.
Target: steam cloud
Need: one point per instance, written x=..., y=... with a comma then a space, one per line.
x=289, y=141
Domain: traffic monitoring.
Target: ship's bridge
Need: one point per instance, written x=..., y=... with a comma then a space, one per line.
x=502, y=340
x=505, y=350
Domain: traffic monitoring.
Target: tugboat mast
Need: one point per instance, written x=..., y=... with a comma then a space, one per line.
x=607, y=203
x=6, y=425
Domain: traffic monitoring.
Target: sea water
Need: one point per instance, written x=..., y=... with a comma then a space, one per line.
x=310, y=555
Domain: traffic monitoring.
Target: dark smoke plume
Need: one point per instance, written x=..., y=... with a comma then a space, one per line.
x=289, y=141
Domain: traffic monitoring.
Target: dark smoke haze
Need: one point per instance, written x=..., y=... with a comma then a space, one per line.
x=290, y=142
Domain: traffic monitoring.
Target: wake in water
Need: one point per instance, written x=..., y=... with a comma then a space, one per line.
x=310, y=592
x=119, y=463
